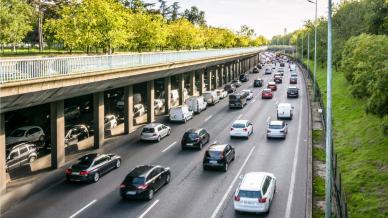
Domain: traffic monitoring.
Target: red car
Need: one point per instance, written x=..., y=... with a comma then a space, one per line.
x=272, y=86
x=293, y=80
x=266, y=93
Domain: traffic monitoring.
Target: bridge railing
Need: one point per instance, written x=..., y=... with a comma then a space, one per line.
x=32, y=68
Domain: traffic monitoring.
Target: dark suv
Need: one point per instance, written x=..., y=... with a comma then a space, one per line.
x=230, y=88
x=292, y=92
x=195, y=138
x=219, y=156
x=20, y=154
x=244, y=78
x=258, y=83
x=255, y=70
x=238, y=100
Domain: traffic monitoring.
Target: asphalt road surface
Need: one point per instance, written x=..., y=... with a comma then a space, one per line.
x=192, y=191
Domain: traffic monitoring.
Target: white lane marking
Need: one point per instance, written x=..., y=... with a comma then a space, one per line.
x=82, y=209
x=268, y=119
x=294, y=165
x=277, y=102
x=215, y=141
x=208, y=118
x=149, y=208
x=232, y=184
x=253, y=100
x=172, y=144
x=239, y=116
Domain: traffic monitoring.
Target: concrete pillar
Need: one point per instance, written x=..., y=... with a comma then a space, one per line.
x=181, y=89
x=201, y=81
x=57, y=125
x=222, y=75
x=209, y=79
x=217, y=78
x=128, y=109
x=150, y=101
x=167, y=94
x=192, y=83
x=98, y=118
x=3, y=174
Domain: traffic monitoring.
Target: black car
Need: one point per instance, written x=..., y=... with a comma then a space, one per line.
x=91, y=166
x=143, y=181
x=278, y=79
x=219, y=156
x=230, y=88
x=255, y=70
x=75, y=134
x=259, y=66
x=195, y=138
x=244, y=78
x=258, y=83
x=292, y=92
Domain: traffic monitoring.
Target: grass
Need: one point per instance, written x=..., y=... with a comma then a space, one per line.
x=362, y=150
x=317, y=136
x=319, y=154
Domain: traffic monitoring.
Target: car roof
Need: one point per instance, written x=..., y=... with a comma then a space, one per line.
x=196, y=130
x=276, y=122
x=241, y=121
x=152, y=125
x=246, y=90
x=293, y=87
x=253, y=181
x=21, y=145
x=92, y=156
x=141, y=170
x=217, y=147
x=284, y=105
x=271, y=83
x=28, y=127
x=267, y=90
x=109, y=115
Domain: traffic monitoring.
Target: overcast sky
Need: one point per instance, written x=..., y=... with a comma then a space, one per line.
x=267, y=17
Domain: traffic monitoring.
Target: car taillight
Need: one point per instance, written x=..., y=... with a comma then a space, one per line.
x=245, y=129
x=231, y=129
x=83, y=173
x=262, y=200
x=122, y=186
x=237, y=198
x=69, y=171
x=142, y=187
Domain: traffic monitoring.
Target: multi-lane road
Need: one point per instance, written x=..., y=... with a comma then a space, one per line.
x=192, y=191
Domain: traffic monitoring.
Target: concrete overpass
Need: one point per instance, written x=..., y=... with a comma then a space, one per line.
x=29, y=82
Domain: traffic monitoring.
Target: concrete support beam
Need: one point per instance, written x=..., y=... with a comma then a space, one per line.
x=217, y=78
x=222, y=81
x=3, y=174
x=128, y=109
x=181, y=85
x=209, y=79
x=98, y=118
x=57, y=125
x=201, y=81
x=167, y=94
x=150, y=101
x=192, y=83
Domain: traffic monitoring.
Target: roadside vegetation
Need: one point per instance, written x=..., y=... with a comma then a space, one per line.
x=104, y=26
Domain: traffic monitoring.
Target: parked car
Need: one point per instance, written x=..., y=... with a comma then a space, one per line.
x=256, y=70
x=255, y=192
x=278, y=79
x=219, y=156
x=196, y=104
x=268, y=71
x=154, y=132
x=180, y=113
x=92, y=166
x=143, y=181
x=221, y=93
x=241, y=128
x=230, y=88
x=244, y=77
x=158, y=104
x=272, y=86
x=285, y=111
x=20, y=154
x=266, y=94
x=26, y=134
x=236, y=83
x=195, y=138
x=110, y=121
x=293, y=79
x=72, y=113
x=292, y=92
x=277, y=129
x=249, y=93
x=258, y=83
x=237, y=100
x=138, y=110
x=76, y=133
x=211, y=97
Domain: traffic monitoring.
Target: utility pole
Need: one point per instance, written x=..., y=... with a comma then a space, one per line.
x=315, y=47
x=328, y=118
x=308, y=50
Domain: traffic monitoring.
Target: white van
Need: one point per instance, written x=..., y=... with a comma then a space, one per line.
x=211, y=97
x=181, y=114
x=292, y=67
x=285, y=111
x=196, y=104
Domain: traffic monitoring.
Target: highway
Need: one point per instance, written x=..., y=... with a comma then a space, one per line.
x=192, y=191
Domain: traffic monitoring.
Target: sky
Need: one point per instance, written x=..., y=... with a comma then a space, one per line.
x=266, y=17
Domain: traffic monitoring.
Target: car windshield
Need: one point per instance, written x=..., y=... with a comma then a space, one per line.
x=249, y=194
x=207, y=95
x=234, y=97
x=275, y=126
x=135, y=180
x=238, y=125
x=214, y=154
x=228, y=86
x=266, y=91
x=190, y=136
x=148, y=130
x=17, y=133
x=292, y=89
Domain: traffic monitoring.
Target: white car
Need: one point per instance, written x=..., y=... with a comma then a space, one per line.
x=255, y=192
x=277, y=129
x=110, y=121
x=285, y=111
x=25, y=134
x=180, y=114
x=211, y=97
x=155, y=132
x=249, y=93
x=241, y=128
x=221, y=93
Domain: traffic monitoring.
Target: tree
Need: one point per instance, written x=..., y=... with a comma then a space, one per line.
x=175, y=11
x=195, y=16
x=182, y=34
x=15, y=21
x=164, y=10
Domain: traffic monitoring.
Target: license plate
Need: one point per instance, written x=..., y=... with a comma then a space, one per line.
x=75, y=173
x=189, y=144
x=213, y=162
x=249, y=203
x=131, y=193
x=231, y=104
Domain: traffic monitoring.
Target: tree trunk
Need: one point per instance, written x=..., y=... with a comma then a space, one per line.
x=13, y=47
x=40, y=31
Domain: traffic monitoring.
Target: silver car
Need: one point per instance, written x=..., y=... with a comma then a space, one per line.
x=277, y=129
x=155, y=132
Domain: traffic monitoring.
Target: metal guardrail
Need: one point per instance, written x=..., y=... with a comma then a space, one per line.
x=32, y=68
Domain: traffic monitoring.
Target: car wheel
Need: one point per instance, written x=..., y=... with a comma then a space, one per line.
x=225, y=167
x=118, y=163
x=205, y=168
x=169, y=132
x=96, y=177
x=158, y=139
x=150, y=194
x=41, y=138
x=31, y=159
x=200, y=145
x=185, y=120
x=168, y=178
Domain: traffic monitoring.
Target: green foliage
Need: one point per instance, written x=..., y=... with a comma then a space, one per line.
x=182, y=34
x=319, y=154
x=195, y=16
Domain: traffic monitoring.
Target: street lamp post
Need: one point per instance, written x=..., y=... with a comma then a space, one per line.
x=308, y=50
x=315, y=45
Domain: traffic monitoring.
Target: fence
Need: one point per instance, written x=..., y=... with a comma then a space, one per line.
x=338, y=195
x=30, y=68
